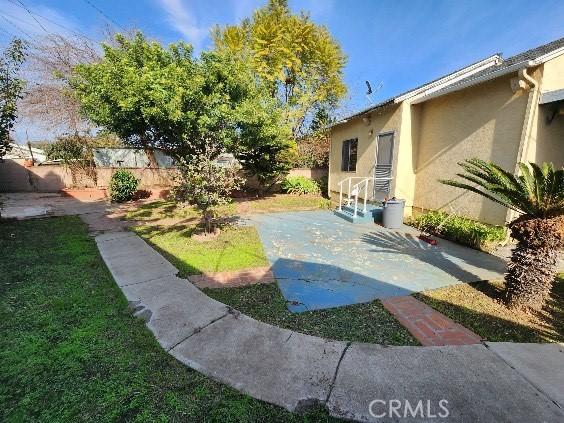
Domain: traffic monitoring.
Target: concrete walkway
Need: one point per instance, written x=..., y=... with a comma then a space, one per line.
x=486, y=383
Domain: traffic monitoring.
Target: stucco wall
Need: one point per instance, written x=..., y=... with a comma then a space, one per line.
x=408, y=150
x=14, y=177
x=547, y=137
x=483, y=121
x=384, y=120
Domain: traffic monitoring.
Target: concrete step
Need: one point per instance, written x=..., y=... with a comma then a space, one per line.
x=372, y=214
x=349, y=216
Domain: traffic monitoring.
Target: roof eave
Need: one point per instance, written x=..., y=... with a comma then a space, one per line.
x=501, y=72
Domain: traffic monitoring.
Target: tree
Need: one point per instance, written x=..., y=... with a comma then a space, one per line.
x=11, y=88
x=136, y=91
x=165, y=98
x=49, y=101
x=206, y=184
x=537, y=194
x=298, y=60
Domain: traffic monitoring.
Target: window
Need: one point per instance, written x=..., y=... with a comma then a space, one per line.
x=349, y=152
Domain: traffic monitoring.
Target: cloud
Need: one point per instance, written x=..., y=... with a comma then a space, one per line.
x=16, y=21
x=181, y=18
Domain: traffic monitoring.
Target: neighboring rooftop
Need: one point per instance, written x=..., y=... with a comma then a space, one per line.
x=488, y=68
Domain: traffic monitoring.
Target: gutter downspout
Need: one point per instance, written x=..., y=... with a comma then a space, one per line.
x=530, y=113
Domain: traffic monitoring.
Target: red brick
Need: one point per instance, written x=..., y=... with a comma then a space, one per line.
x=427, y=325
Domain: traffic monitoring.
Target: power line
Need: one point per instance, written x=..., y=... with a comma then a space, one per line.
x=80, y=34
x=104, y=15
x=15, y=26
x=31, y=14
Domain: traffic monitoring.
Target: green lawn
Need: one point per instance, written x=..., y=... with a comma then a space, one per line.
x=283, y=202
x=156, y=211
x=479, y=308
x=235, y=248
x=159, y=210
x=71, y=351
x=360, y=323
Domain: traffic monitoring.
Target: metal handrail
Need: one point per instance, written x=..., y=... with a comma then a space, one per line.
x=356, y=190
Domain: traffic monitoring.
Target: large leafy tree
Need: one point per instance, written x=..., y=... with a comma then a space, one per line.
x=537, y=194
x=299, y=61
x=155, y=97
x=11, y=88
x=137, y=91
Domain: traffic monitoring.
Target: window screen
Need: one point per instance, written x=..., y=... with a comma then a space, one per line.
x=349, y=154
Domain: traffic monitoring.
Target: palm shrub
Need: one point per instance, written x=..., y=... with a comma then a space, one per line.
x=537, y=194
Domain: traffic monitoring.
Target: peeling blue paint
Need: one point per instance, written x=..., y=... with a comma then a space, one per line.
x=321, y=261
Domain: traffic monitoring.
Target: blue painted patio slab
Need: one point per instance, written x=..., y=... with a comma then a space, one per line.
x=322, y=261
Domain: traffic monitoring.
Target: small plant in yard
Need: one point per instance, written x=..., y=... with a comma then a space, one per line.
x=459, y=229
x=207, y=185
x=537, y=194
x=123, y=186
x=300, y=185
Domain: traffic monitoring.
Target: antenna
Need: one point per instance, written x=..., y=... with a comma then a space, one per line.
x=369, y=91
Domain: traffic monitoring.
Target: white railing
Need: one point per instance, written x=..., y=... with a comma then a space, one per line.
x=355, y=189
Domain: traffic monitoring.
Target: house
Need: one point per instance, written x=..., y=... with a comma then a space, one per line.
x=19, y=151
x=501, y=110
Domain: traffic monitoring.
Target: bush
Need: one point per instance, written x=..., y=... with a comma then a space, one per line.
x=460, y=229
x=300, y=185
x=206, y=184
x=123, y=186
x=323, y=183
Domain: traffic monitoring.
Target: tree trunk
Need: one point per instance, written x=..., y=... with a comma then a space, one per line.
x=151, y=156
x=533, y=265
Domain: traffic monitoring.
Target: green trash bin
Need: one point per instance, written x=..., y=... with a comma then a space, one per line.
x=392, y=217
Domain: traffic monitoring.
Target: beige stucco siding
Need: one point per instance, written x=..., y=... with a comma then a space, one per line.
x=384, y=120
x=483, y=121
x=547, y=137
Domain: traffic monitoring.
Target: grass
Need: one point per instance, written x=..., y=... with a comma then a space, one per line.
x=460, y=229
x=359, y=323
x=155, y=211
x=235, y=248
x=71, y=351
x=283, y=202
x=477, y=307
x=162, y=210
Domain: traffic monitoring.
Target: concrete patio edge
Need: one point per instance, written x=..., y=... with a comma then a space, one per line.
x=295, y=371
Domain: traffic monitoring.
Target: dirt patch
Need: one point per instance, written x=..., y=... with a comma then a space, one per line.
x=206, y=236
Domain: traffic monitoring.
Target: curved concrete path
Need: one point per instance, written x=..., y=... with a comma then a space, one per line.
x=295, y=371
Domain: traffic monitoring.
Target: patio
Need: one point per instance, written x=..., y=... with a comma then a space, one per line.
x=321, y=261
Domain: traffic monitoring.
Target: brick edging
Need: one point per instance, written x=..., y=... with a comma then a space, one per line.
x=426, y=324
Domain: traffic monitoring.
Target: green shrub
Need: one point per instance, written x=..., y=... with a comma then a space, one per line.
x=300, y=185
x=323, y=183
x=123, y=186
x=459, y=229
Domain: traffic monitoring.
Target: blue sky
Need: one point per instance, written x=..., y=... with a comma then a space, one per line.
x=399, y=44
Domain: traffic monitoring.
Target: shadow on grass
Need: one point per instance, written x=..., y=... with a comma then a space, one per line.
x=479, y=307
